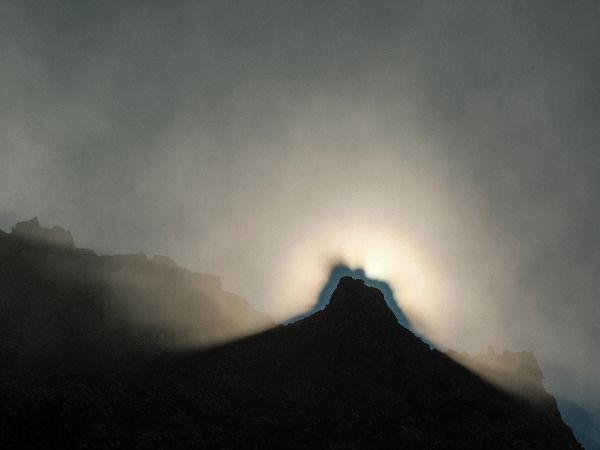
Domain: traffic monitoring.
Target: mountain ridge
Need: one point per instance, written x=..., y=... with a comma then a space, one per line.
x=347, y=376
x=350, y=385
x=65, y=308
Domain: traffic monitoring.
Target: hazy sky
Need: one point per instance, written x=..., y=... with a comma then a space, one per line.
x=452, y=147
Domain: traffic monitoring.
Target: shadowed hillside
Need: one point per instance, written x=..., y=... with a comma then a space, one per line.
x=85, y=371
x=64, y=309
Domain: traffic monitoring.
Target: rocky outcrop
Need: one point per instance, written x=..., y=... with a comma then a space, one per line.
x=65, y=310
x=515, y=372
x=32, y=230
x=348, y=376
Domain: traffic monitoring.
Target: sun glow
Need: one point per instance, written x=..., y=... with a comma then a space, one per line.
x=389, y=254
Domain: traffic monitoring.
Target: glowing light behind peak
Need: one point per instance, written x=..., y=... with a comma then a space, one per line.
x=386, y=253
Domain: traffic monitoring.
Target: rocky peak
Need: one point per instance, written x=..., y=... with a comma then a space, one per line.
x=32, y=230
x=354, y=300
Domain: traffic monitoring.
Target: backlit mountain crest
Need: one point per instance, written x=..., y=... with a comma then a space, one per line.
x=354, y=300
x=349, y=375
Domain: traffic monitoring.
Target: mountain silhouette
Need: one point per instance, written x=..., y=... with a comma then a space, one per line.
x=349, y=376
x=341, y=270
x=65, y=309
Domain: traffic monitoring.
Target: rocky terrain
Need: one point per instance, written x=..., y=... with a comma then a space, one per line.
x=348, y=376
x=65, y=309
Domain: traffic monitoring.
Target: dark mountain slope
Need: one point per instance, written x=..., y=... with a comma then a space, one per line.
x=65, y=309
x=351, y=377
x=348, y=376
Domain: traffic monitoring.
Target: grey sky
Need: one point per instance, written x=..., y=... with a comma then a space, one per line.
x=219, y=133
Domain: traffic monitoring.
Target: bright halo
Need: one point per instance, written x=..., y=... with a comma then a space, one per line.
x=384, y=253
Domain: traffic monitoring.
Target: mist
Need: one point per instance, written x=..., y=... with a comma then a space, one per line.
x=450, y=150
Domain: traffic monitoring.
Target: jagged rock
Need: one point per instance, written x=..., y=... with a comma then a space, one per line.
x=348, y=376
x=354, y=301
x=32, y=230
x=164, y=260
x=64, y=309
x=516, y=372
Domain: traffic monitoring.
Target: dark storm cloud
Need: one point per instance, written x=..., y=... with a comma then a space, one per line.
x=216, y=132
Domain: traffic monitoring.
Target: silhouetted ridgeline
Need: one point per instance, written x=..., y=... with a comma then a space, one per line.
x=67, y=309
x=348, y=376
x=517, y=372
